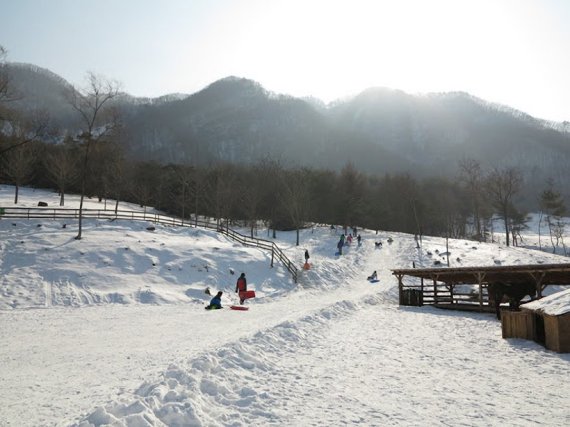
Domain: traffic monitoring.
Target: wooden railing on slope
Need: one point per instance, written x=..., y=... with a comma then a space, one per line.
x=67, y=213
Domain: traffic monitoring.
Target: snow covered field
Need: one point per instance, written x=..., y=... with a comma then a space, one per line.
x=111, y=330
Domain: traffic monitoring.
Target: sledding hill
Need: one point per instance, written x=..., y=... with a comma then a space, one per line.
x=127, y=342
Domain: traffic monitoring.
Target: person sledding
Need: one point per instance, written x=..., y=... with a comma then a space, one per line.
x=373, y=276
x=216, y=302
x=339, y=246
x=241, y=287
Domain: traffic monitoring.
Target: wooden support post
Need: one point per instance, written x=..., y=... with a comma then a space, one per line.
x=435, y=291
x=447, y=249
x=272, y=255
x=480, y=276
x=400, y=289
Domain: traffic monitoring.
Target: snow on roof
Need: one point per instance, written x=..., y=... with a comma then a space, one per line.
x=554, y=305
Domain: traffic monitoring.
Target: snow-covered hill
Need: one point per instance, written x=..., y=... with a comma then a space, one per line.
x=110, y=330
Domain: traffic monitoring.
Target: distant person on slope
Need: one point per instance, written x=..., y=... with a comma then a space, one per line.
x=306, y=266
x=373, y=276
x=241, y=286
x=216, y=302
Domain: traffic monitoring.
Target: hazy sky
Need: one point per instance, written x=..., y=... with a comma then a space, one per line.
x=514, y=52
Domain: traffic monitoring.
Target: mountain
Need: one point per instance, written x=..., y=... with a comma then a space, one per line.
x=380, y=130
x=37, y=89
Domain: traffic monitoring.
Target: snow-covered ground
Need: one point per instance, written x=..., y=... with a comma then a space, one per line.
x=111, y=329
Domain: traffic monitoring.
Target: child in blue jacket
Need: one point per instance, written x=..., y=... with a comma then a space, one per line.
x=216, y=302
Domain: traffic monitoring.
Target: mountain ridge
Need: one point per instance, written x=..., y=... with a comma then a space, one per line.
x=380, y=130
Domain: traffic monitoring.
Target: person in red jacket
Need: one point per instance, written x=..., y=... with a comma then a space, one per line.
x=241, y=286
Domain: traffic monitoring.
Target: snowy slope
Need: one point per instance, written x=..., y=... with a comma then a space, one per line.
x=117, y=340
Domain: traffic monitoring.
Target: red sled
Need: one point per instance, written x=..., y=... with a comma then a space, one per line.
x=239, y=307
x=247, y=294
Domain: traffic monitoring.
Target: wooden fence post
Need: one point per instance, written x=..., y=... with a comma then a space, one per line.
x=434, y=291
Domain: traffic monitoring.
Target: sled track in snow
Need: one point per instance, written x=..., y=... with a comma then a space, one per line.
x=48, y=294
x=188, y=393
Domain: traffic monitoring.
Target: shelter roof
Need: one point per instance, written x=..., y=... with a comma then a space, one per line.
x=545, y=274
x=556, y=304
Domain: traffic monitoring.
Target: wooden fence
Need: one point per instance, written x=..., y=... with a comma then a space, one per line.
x=445, y=295
x=67, y=213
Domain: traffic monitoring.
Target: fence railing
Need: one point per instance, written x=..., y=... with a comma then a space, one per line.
x=69, y=213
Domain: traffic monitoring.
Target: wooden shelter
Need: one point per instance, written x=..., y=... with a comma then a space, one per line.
x=546, y=321
x=557, y=332
x=465, y=288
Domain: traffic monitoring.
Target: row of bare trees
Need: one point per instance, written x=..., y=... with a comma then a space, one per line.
x=286, y=198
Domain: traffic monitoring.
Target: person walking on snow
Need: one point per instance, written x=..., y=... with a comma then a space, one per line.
x=306, y=266
x=241, y=286
x=215, y=302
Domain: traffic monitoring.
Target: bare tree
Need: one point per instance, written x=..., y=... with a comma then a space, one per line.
x=17, y=133
x=143, y=178
x=20, y=130
x=19, y=166
x=92, y=103
x=471, y=175
x=3, y=77
x=5, y=93
x=295, y=198
x=184, y=177
x=501, y=186
x=268, y=176
x=223, y=192
x=351, y=192
x=61, y=167
x=198, y=187
x=251, y=194
x=552, y=205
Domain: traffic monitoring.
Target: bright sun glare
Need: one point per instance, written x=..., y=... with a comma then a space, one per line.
x=330, y=49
